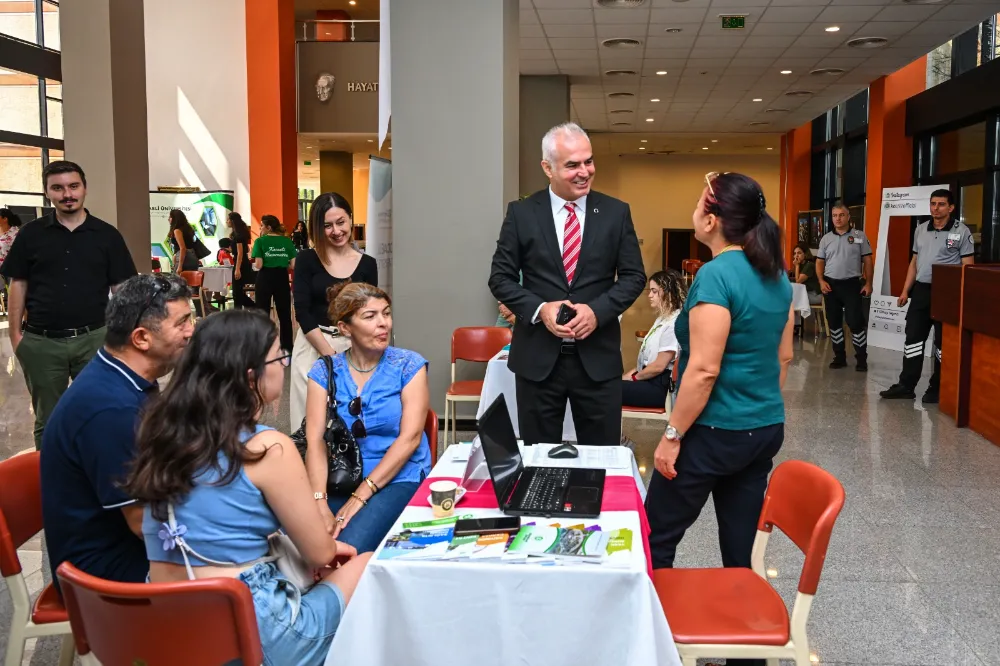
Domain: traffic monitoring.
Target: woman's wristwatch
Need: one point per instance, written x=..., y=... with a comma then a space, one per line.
x=673, y=433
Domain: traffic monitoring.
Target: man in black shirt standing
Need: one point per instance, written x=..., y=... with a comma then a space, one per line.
x=61, y=268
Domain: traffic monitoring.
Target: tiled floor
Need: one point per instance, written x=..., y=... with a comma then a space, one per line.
x=913, y=571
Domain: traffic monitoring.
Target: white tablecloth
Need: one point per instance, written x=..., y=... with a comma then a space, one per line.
x=800, y=299
x=217, y=277
x=492, y=614
x=499, y=379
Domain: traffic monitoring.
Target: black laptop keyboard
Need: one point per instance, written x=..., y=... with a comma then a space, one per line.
x=546, y=490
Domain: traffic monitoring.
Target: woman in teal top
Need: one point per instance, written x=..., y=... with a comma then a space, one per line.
x=273, y=255
x=215, y=484
x=735, y=334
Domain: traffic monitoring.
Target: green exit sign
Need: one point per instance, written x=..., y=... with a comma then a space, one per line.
x=734, y=22
x=307, y=163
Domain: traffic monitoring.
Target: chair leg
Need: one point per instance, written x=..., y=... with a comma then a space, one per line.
x=689, y=661
x=15, y=642
x=447, y=403
x=68, y=651
x=773, y=662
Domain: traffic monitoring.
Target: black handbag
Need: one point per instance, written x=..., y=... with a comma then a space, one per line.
x=200, y=250
x=345, y=466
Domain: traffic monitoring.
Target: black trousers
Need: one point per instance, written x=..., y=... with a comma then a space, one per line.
x=597, y=406
x=650, y=392
x=845, y=298
x=918, y=327
x=240, y=297
x=272, y=283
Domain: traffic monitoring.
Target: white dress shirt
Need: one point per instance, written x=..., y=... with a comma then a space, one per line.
x=559, y=215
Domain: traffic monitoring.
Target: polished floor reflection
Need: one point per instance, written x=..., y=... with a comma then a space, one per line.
x=913, y=572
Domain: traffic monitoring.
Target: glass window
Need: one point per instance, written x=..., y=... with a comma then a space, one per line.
x=971, y=208
x=856, y=111
x=50, y=23
x=20, y=169
x=19, y=101
x=960, y=150
x=820, y=130
x=17, y=19
x=55, y=117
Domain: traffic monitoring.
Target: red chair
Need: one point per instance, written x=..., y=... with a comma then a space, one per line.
x=431, y=429
x=735, y=613
x=470, y=343
x=21, y=519
x=196, y=623
x=196, y=280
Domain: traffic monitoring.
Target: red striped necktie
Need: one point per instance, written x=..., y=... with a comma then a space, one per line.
x=572, y=238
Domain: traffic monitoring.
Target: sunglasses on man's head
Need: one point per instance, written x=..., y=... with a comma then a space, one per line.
x=358, y=427
x=160, y=284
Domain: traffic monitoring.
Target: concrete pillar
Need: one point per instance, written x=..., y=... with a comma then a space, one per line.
x=455, y=167
x=336, y=174
x=104, y=113
x=544, y=103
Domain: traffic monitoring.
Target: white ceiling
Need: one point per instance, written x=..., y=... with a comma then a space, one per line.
x=714, y=74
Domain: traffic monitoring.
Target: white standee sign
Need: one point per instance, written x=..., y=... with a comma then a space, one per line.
x=886, y=320
x=378, y=230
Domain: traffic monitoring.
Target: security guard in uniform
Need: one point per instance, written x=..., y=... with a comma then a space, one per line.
x=844, y=270
x=940, y=241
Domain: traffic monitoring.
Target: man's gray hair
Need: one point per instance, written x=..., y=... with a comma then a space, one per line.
x=549, y=140
x=841, y=205
x=141, y=300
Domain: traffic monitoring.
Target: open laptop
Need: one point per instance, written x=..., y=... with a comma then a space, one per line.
x=534, y=491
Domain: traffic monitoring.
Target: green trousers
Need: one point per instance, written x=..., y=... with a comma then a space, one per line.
x=48, y=365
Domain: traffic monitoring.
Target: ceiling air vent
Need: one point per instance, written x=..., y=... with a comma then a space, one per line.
x=775, y=110
x=921, y=2
x=868, y=42
x=758, y=123
x=619, y=111
x=620, y=4
x=620, y=95
x=621, y=124
x=621, y=43
x=620, y=72
x=799, y=93
x=827, y=71
x=673, y=31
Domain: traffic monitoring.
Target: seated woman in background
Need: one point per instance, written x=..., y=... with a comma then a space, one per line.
x=648, y=383
x=383, y=397
x=804, y=272
x=208, y=471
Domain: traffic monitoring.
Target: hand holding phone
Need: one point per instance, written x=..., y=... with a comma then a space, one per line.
x=565, y=315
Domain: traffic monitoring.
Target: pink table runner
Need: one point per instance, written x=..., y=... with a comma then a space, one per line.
x=620, y=494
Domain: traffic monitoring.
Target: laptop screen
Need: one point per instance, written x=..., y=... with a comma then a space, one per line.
x=500, y=446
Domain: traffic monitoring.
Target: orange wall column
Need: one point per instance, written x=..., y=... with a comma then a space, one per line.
x=890, y=157
x=796, y=163
x=271, y=109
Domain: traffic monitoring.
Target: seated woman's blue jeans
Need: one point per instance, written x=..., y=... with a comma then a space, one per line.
x=368, y=528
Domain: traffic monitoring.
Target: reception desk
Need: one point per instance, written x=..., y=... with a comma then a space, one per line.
x=964, y=299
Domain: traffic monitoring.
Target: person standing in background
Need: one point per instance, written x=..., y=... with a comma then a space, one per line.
x=943, y=240
x=300, y=237
x=273, y=254
x=845, y=271
x=182, y=242
x=574, y=247
x=243, y=268
x=332, y=260
x=61, y=268
x=9, y=225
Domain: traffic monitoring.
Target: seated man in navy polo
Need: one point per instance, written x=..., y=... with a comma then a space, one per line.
x=89, y=441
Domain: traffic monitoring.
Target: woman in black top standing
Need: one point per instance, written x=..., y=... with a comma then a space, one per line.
x=243, y=266
x=300, y=237
x=182, y=242
x=332, y=260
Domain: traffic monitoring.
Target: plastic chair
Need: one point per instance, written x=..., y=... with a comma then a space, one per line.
x=196, y=623
x=431, y=430
x=21, y=519
x=821, y=325
x=195, y=280
x=735, y=613
x=653, y=413
x=470, y=343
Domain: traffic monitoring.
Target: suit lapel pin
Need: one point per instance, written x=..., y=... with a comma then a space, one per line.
x=595, y=210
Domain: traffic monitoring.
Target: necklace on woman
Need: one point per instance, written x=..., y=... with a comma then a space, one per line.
x=731, y=246
x=350, y=362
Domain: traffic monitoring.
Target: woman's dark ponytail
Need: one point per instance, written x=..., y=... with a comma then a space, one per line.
x=739, y=202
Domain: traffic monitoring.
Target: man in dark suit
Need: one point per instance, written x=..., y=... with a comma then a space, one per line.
x=576, y=247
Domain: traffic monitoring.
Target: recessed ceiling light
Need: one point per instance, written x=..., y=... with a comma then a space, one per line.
x=757, y=99
x=390, y=147
x=673, y=31
x=371, y=140
x=833, y=28
x=704, y=147
x=621, y=43
x=715, y=141
x=769, y=148
x=661, y=73
x=868, y=42
x=655, y=99
x=643, y=141
x=649, y=120
x=786, y=71
x=641, y=148
x=352, y=3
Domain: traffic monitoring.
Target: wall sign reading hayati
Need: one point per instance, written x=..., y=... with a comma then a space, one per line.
x=362, y=86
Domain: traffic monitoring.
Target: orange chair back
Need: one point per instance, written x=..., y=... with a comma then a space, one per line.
x=193, y=278
x=431, y=429
x=803, y=501
x=694, y=265
x=20, y=507
x=197, y=623
x=478, y=343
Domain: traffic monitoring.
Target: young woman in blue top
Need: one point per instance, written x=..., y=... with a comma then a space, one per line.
x=383, y=397
x=735, y=333
x=230, y=483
